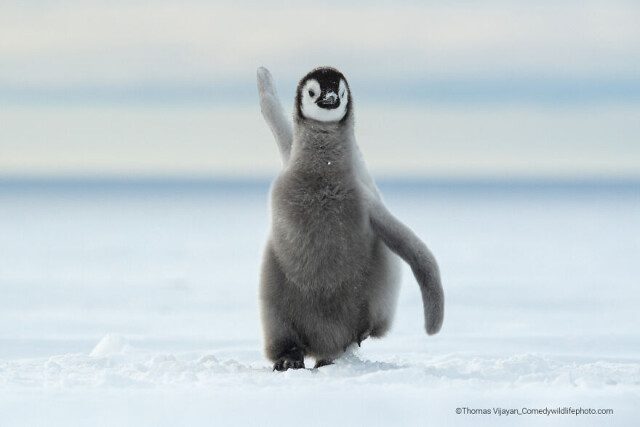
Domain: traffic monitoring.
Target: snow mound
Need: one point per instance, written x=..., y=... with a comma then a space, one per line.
x=110, y=344
x=109, y=365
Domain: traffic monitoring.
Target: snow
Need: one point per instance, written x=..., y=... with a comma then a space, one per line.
x=136, y=304
x=110, y=344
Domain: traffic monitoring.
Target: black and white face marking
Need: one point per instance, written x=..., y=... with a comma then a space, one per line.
x=323, y=95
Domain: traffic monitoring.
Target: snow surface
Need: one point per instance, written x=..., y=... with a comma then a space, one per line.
x=136, y=304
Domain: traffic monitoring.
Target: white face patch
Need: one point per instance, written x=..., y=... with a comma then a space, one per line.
x=311, y=94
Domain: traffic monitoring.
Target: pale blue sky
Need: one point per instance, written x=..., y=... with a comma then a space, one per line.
x=515, y=87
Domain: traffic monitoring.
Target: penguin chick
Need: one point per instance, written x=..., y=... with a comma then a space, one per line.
x=329, y=274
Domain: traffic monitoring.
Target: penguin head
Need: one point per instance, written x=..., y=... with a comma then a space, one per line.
x=323, y=95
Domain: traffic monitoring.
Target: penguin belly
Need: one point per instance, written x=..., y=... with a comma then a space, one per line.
x=325, y=247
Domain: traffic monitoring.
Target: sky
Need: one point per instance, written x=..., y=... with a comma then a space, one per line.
x=460, y=88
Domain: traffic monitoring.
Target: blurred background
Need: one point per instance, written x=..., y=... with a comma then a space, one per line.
x=134, y=178
x=135, y=165
x=458, y=89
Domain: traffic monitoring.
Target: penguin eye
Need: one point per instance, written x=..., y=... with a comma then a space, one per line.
x=312, y=93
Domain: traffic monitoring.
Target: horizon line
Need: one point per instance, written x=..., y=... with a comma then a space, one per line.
x=481, y=90
x=42, y=180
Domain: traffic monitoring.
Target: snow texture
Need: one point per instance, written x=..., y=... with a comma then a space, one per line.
x=137, y=305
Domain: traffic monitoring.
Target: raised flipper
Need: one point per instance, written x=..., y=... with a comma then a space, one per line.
x=401, y=240
x=274, y=114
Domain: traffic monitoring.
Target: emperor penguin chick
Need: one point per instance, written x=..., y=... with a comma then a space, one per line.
x=329, y=275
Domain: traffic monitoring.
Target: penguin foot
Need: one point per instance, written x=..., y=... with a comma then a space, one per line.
x=363, y=336
x=323, y=362
x=285, y=363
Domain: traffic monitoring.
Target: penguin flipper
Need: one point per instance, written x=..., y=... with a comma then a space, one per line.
x=273, y=113
x=403, y=241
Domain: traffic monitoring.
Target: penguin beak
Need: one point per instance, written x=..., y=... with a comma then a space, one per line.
x=330, y=100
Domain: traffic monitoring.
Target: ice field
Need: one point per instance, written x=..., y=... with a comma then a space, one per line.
x=135, y=303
